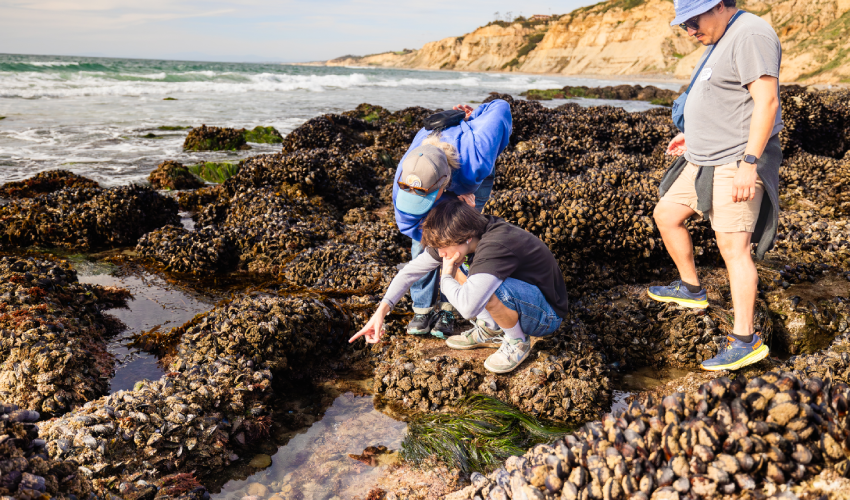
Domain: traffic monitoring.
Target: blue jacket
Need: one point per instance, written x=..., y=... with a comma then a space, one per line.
x=478, y=141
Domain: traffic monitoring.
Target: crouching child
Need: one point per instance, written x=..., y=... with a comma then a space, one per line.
x=500, y=276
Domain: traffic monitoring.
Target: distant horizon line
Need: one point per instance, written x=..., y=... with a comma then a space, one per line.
x=158, y=58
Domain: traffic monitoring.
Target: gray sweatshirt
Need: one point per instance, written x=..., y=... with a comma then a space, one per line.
x=469, y=299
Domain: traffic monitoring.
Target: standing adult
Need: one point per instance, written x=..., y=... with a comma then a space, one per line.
x=468, y=141
x=729, y=168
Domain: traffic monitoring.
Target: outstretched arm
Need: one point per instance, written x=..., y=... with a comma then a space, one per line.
x=415, y=269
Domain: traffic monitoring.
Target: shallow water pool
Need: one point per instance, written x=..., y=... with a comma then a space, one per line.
x=315, y=465
x=155, y=303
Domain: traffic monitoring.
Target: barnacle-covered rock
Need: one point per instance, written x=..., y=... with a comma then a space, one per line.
x=86, y=219
x=27, y=471
x=45, y=182
x=205, y=138
x=173, y=175
x=53, y=342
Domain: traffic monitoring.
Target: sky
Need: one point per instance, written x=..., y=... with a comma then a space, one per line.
x=246, y=30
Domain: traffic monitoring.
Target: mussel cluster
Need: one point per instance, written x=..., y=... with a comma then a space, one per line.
x=85, y=218
x=205, y=138
x=808, y=325
x=26, y=471
x=213, y=399
x=727, y=438
x=202, y=251
x=565, y=379
x=45, y=182
x=171, y=174
x=53, y=336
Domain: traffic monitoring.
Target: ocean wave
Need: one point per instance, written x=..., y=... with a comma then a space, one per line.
x=33, y=85
x=53, y=63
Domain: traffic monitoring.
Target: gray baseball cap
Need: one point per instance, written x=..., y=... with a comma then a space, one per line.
x=423, y=172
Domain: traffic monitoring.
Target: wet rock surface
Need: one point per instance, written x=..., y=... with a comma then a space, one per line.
x=173, y=175
x=85, y=218
x=564, y=379
x=649, y=93
x=26, y=471
x=53, y=341
x=212, y=404
x=45, y=182
x=205, y=138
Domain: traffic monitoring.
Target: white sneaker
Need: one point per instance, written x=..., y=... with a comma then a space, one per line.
x=510, y=355
x=477, y=336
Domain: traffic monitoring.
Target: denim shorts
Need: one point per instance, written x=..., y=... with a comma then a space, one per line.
x=536, y=316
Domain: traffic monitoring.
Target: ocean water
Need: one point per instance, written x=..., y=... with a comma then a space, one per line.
x=89, y=115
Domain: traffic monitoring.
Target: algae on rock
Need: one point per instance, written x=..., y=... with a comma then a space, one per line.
x=263, y=135
x=215, y=172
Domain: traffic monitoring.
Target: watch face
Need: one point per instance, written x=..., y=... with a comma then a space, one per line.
x=750, y=159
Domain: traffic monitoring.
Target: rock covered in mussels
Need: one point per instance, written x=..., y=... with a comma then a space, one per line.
x=564, y=379
x=85, y=218
x=727, y=438
x=171, y=174
x=213, y=400
x=26, y=471
x=53, y=341
x=45, y=182
x=198, y=252
x=205, y=138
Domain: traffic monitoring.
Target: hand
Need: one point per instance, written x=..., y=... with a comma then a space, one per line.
x=374, y=329
x=466, y=109
x=744, y=183
x=450, y=265
x=469, y=199
x=677, y=146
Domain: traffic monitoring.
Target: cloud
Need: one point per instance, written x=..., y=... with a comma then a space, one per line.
x=282, y=30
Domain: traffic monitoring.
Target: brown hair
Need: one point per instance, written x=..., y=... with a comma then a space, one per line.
x=451, y=223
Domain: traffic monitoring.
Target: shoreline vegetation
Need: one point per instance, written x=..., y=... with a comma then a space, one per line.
x=626, y=37
x=307, y=237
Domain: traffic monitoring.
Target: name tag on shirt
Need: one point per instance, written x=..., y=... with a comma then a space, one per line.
x=705, y=75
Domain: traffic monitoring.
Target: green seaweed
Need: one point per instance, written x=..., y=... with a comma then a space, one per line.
x=151, y=135
x=170, y=99
x=479, y=433
x=214, y=172
x=172, y=127
x=2, y=117
x=263, y=135
x=545, y=95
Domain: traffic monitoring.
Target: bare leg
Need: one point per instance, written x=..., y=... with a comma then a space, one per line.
x=504, y=316
x=743, y=278
x=670, y=219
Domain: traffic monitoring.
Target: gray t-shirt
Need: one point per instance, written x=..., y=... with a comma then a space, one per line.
x=719, y=108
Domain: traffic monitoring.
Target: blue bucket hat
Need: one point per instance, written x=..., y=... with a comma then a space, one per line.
x=686, y=9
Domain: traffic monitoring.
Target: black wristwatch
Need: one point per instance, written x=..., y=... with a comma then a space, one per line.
x=751, y=159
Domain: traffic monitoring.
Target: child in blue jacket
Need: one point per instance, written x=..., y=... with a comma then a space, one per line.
x=470, y=148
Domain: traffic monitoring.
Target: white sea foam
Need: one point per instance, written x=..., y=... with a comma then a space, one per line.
x=52, y=63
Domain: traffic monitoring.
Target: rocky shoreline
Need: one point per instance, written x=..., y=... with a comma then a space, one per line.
x=312, y=225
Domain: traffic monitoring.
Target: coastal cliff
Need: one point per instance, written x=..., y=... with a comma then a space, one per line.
x=632, y=37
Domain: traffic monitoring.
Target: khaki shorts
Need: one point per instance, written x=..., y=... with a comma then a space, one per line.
x=725, y=215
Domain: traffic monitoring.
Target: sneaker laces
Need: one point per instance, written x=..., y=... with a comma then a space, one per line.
x=508, y=346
